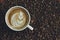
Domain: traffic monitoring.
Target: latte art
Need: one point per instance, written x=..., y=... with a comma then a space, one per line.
x=18, y=19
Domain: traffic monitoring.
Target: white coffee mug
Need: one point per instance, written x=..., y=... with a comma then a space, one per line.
x=6, y=19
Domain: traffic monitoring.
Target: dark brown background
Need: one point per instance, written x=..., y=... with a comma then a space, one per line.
x=45, y=18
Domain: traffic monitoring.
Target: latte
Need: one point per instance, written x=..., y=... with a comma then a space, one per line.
x=18, y=18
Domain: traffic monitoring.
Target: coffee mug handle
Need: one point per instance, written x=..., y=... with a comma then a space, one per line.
x=30, y=27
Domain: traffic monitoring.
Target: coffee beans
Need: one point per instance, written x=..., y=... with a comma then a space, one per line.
x=45, y=18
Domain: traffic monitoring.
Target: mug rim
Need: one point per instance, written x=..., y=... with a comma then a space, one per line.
x=6, y=18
